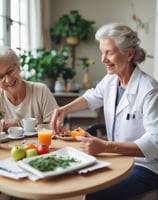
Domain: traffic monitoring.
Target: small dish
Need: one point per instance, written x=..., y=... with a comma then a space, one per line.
x=35, y=130
x=15, y=138
x=69, y=138
x=29, y=134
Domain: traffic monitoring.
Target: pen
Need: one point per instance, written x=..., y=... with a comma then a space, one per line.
x=128, y=116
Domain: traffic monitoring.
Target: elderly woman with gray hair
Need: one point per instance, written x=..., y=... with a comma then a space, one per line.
x=130, y=101
x=20, y=98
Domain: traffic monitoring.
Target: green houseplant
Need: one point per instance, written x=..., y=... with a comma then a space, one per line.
x=71, y=25
x=45, y=65
x=86, y=63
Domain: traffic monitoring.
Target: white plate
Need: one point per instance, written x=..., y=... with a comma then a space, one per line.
x=64, y=138
x=30, y=133
x=15, y=138
x=84, y=160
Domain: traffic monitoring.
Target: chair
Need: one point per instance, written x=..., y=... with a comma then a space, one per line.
x=101, y=129
x=151, y=195
x=82, y=118
x=97, y=130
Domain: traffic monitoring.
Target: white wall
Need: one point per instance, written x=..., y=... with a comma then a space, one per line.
x=105, y=11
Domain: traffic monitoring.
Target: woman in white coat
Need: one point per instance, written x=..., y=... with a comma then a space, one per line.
x=130, y=100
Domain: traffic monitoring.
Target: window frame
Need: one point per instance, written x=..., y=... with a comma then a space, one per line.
x=32, y=8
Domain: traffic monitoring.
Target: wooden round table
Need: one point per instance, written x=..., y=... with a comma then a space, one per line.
x=67, y=185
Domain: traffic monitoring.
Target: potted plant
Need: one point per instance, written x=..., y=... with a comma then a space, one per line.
x=44, y=65
x=71, y=25
x=68, y=73
x=86, y=63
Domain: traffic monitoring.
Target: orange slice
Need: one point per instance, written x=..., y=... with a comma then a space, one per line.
x=77, y=132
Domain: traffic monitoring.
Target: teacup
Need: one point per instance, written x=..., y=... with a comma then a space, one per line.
x=15, y=131
x=29, y=124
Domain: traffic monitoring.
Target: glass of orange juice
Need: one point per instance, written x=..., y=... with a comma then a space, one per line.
x=44, y=134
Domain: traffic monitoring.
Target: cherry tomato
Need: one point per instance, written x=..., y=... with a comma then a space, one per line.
x=42, y=149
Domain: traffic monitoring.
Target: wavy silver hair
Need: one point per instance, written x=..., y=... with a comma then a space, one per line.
x=124, y=37
x=6, y=53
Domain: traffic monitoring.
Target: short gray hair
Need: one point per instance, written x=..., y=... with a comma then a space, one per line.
x=124, y=37
x=6, y=53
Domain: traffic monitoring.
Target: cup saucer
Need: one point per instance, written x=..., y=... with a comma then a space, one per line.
x=15, y=138
x=34, y=133
x=4, y=139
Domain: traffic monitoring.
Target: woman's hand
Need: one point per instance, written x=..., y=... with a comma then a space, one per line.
x=92, y=145
x=9, y=123
x=57, y=119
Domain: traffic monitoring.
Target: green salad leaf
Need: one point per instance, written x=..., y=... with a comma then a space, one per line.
x=50, y=163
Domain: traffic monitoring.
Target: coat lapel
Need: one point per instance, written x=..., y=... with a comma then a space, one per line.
x=129, y=95
x=111, y=102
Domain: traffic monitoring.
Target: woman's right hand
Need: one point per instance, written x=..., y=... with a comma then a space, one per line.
x=57, y=119
x=7, y=123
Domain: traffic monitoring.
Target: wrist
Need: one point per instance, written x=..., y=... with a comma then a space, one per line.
x=18, y=123
x=109, y=146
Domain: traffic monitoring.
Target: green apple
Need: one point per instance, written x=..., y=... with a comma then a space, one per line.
x=18, y=152
x=31, y=152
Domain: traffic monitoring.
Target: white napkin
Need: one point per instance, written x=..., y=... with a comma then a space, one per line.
x=9, y=168
x=97, y=165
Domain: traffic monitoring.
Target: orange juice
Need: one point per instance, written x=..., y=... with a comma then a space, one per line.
x=45, y=136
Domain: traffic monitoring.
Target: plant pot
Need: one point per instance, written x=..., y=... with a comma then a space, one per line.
x=59, y=87
x=86, y=84
x=72, y=41
x=50, y=82
x=67, y=86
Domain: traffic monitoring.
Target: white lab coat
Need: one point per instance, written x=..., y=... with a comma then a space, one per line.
x=136, y=115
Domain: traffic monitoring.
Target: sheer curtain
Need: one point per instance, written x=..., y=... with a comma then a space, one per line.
x=35, y=26
x=39, y=20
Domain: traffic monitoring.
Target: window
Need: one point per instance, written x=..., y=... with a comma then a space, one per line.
x=2, y=21
x=17, y=28
x=19, y=24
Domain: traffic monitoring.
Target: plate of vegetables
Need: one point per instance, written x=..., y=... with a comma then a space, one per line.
x=59, y=162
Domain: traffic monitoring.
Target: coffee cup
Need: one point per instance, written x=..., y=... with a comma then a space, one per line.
x=15, y=131
x=29, y=124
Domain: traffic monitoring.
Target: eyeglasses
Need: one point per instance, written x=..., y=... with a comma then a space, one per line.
x=10, y=72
